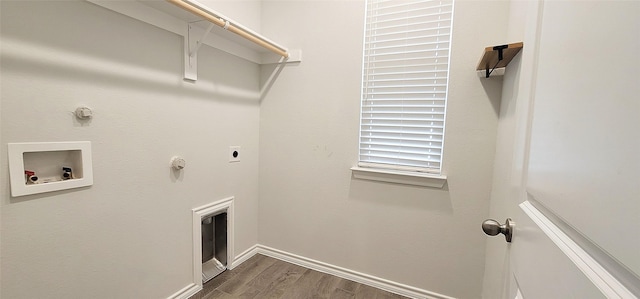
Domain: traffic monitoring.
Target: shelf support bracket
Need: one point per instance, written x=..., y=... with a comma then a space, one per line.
x=191, y=47
x=500, y=57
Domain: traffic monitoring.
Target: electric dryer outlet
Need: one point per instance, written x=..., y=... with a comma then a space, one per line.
x=234, y=154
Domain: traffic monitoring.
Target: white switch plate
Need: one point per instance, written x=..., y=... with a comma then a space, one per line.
x=234, y=154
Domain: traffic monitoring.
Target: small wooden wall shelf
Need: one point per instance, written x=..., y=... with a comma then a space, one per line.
x=498, y=57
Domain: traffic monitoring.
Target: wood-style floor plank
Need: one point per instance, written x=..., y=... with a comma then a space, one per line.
x=264, y=277
x=312, y=284
x=326, y=285
x=280, y=284
x=341, y=294
x=348, y=285
x=217, y=294
x=213, y=284
x=366, y=292
x=304, y=287
x=242, y=277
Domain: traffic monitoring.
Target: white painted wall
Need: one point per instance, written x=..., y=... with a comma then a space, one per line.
x=129, y=235
x=246, y=12
x=309, y=203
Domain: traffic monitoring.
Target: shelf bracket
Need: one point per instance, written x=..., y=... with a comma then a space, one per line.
x=191, y=47
x=500, y=58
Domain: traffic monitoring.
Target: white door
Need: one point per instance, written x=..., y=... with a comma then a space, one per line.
x=575, y=164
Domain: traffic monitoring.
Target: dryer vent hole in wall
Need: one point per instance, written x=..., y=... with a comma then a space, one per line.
x=214, y=245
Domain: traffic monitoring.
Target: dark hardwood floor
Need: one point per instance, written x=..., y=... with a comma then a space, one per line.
x=265, y=277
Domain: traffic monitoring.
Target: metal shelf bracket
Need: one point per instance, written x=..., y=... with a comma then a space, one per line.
x=500, y=58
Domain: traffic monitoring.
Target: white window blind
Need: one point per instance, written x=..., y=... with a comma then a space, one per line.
x=404, y=85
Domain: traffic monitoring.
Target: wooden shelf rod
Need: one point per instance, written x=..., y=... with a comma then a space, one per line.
x=218, y=20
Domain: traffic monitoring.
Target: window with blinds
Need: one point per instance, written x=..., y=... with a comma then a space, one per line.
x=404, y=84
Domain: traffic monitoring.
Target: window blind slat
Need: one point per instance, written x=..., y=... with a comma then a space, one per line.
x=405, y=106
x=391, y=35
x=405, y=100
x=376, y=112
x=373, y=93
x=416, y=83
x=391, y=138
x=429, y=24
x=404, y=37
x=408, y=149
x=410, y=86
x=441, y=50
x=403, y=17
x=407, y=60
x=408, y=123
x=399, y=94
x=399, y=72
x=401, y=133
x=379, y=65
x=394, y=3
x=382, y=144
x=402, y=161
x=385, y=132
x=402, y=127
x=412, y=159
x=395, y=112
x=415, y=143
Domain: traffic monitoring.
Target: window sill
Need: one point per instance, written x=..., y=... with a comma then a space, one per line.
x=400, y=177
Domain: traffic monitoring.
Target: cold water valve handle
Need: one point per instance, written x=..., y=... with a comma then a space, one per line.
x=67, y=173
x=492, y=228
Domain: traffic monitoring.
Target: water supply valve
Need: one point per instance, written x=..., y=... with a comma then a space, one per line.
x=67, y=173
x=84, y=113
x=32, y=178
x=178, y=163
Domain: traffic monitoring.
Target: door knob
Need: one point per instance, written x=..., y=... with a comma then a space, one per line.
x=492, y=228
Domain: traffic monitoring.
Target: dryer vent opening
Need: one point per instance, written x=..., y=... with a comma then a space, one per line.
x=214, y=245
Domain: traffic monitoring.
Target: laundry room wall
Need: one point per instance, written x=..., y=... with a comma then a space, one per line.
x=311, y=206
x=129, y=235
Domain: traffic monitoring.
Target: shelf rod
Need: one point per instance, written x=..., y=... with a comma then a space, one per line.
x=229, y=26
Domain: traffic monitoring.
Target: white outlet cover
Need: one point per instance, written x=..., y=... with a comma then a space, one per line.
x=232, y=150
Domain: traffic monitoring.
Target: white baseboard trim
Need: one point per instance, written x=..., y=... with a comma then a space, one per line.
x=376, y=282
x=186, y=292
x=366, y=279
x=244, y=256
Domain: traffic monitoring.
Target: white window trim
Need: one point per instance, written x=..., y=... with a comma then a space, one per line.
x=400, y=177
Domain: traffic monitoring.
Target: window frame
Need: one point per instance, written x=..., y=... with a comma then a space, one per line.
x=403, y=174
